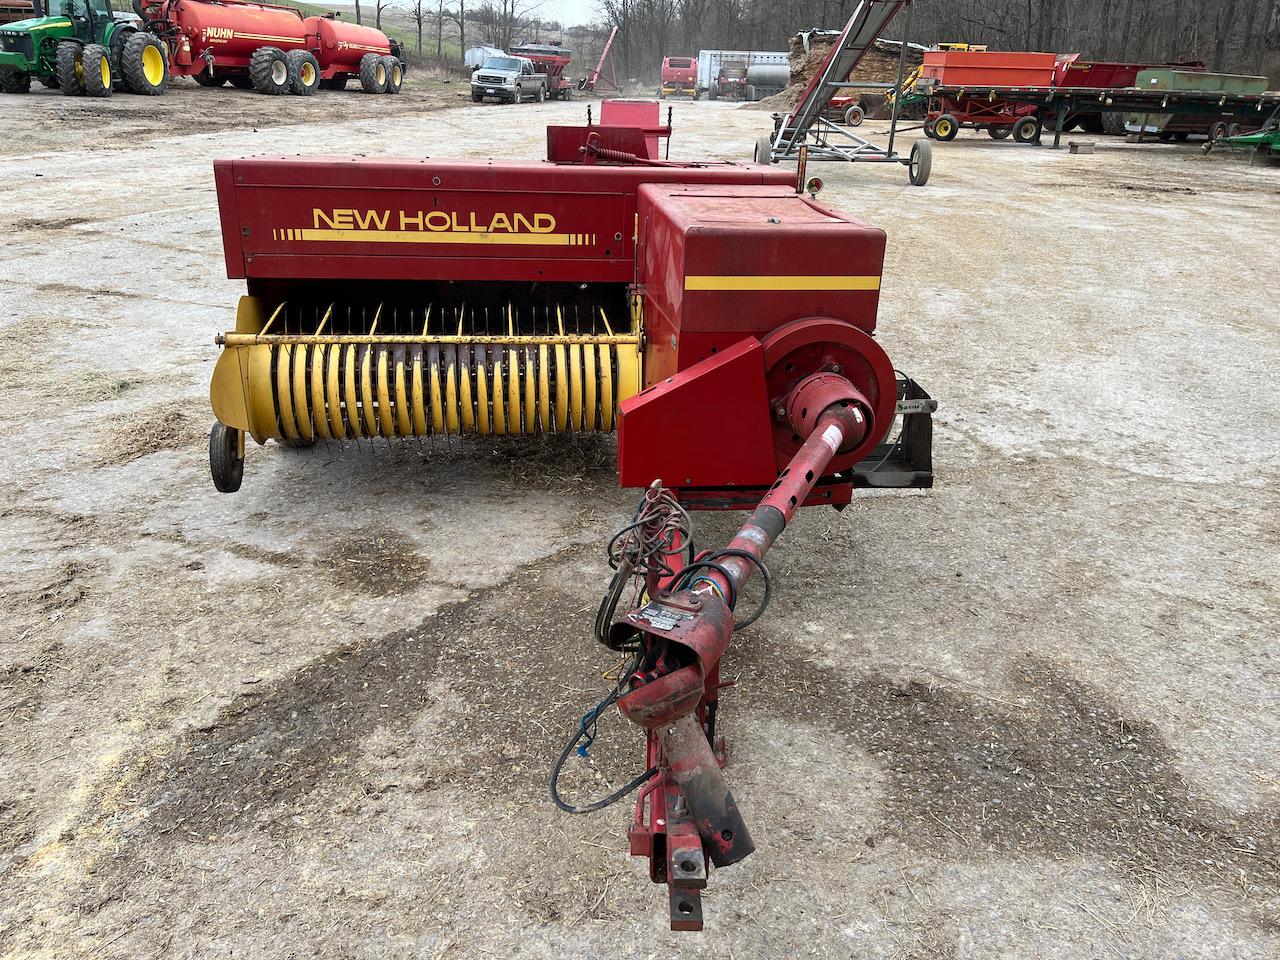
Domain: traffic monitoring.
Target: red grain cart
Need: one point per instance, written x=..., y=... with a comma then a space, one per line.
x=977, y=76
x=551, y=59
x=272, y=49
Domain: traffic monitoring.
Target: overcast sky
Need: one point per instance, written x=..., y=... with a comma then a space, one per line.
x=568, y=12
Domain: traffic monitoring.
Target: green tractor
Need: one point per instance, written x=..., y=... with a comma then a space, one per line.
x=79, y=47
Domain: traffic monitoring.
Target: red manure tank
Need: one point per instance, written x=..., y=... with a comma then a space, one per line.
x=270, y=48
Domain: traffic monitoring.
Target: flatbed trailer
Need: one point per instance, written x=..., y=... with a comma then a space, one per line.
x=1053, y=105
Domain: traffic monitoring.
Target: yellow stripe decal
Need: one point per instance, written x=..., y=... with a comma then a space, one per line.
x=263, y=36
x=433, y=236
x=781, y=283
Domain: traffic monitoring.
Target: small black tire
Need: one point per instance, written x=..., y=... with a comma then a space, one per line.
x=226, y=457
x=999, y=133
x=1027, y=130
x=304, y=72
x=269, y=71
x=927, y=129
x=1233, y=130
x=95, y=68
x=764, y=150
x=373, y=73
x=1218, y=131
x=66, y=60
x=920, y=163
x=854, y=116
x=206, y=78
x=945, y=128
x=15, y=81
x=395, y=75
x=145, y=65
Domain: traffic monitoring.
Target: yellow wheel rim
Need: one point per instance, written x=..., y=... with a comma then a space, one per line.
x=105, y=69
x=396, y=75
x=381, y=74
x=308, y=74
x=942, y=128
x=152, y=65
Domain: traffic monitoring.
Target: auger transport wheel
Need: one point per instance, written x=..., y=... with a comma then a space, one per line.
x=226, y=457
x=920, y=163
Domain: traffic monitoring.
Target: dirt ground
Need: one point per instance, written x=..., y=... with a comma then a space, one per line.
x=1031, y=713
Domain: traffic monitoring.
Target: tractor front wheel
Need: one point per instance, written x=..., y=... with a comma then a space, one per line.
x=226, y=457
x=14, y=81
x=68, y=68
x=269, y=71
x=144, y=65
x=95, y=65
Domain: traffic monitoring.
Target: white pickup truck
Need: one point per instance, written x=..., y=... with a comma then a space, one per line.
x=512, y=79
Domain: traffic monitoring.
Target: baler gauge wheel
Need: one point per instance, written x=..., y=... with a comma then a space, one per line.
x=920, y=163
x=226, y=457
x=945, y=128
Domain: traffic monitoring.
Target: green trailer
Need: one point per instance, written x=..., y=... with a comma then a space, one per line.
x=1262, y=144
x=1180, y=126
x=80, y=47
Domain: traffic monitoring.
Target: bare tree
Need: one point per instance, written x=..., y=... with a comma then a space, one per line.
x=419, y=13
x=459, y=17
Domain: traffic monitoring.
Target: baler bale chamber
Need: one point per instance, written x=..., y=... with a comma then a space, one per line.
x=404, y=299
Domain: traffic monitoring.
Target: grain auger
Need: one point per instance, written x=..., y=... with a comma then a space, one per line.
x=718, y=320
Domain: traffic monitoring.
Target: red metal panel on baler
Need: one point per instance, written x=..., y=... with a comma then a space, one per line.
x=367, y=218
x=722, y=262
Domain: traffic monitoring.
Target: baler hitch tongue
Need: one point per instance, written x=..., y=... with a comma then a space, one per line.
x=686, y=814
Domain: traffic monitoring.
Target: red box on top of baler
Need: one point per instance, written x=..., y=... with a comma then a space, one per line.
x=722, y=262
x=972, y=68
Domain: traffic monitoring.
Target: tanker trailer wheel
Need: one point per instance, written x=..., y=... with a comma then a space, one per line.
x=269, y=71
x=999, y=133
x=920, y=163
x=226, y=457
x=241, y=81
x=1027, y=130
x=853, y=116
x=395, y=74
x=144, y=65
x=95, y=65
x=945, y=128
x=14, y=81
x=373, y=73
x=69, y=70
x=206, y=78
x=304, y=72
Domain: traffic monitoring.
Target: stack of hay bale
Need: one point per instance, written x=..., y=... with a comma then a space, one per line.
x=809, y=49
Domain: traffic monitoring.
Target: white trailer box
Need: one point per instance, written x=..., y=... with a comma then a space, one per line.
x=709, y=62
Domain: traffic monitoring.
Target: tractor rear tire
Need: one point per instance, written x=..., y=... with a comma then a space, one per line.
x=945, y=128
x=269, y=71
x=921, y=163
x=226, y=457
x=395, y=74
x=1027, y=130
x=95, y=63
x=67, y=65
x=373, y=73
x=304, y=72
x=207, y=79
x=14, y=81
x=145, y=65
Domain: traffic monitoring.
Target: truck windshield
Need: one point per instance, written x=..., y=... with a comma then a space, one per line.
x=501, y=63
